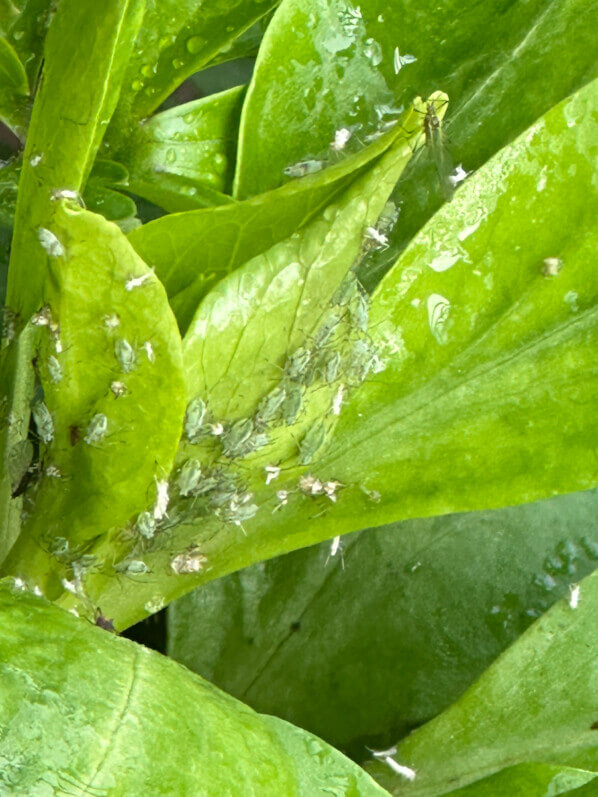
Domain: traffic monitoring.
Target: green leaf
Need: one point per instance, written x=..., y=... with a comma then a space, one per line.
x=537, y=703
x=177, y=38
x=28, y=32
x=117, y=718
x=14, y=89
x=193, y=251
x=482, y=347
x=531, y=779
x=63, y=139
x=362, y=646
x=304, y=88
x=183, y=158
x=110, y=364
x=246, y=45
x=556, y=54
x=8, y=13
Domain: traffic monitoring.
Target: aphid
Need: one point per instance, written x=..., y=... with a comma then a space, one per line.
x=189, y=477
x=574, y=591
x=149, y=350
x=43, y=318
x=388, y=218
x=206, y=485
x=35, y=160
x=312, y=442
x=118, y=388
x=341, y=139
x=374, y=239
x=272, y=473
x=136, y=282
x=297, y=364
x=132, y=567
x=194, y=419
x=189, y=561
x=331, y=366
x=50, y=243
x=236, y=436
x=283, y=499
x=67, y=193
x=146, y=525
x=125, y=354
x=335, y=547
x=269, y=407
x=111, y=321
x=458, y=176
x=361, y=362
x=345, y=290
x=552, y=267
x=337, y=400
x=96, y=429
x=241, y=509
x=330, y=489
x=326, y=330
x=302, y=168
x=292, y=403
x=104, y=622
x=399, y=61
x=43, y=421
x=310, y=485
x=162, y=498
x=386, y=757
x=351, y=19
x=54, y=369
x=360, y=311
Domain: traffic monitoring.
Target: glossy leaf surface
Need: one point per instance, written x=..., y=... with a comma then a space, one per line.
x=193, y=251
x=537, y=703
x=14, y=88
x=183, y=158
x=177, y=39
x=110, y=364
x=362, y=646
x=114, y=718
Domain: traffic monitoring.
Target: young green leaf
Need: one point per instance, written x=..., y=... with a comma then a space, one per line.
x=27, y=34
x=141, y=720
x=192, y=251
x=538, y=702
x=14, y=89
x=177, y=39
x=62, y=144
x=326, y=79
x=110, y=364
x=183, y=158
x=361, y=646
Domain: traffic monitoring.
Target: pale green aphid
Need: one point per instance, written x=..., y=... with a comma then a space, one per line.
x=361, y=361
x=125, y=354
x=297, y=365
x=292, y=403
x=194, y=419
x=312, y=442
x=43, y=422
x=96, y=429
x=189, y=477
x=132, y=567
x=325, y=331
x=235, y=437
x=360, y=312
x=269, y=407
x=345, y=290
x=146, y=525
x=331, y=366
x=302, y=168
x=54, y=369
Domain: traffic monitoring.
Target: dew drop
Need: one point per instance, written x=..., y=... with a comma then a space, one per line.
x=194, y=44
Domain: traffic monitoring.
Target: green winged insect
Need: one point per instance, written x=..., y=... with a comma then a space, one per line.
x=437, y=146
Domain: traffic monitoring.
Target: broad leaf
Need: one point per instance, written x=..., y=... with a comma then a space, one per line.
x=183, y=158
x=537, y=703
x=362, y=646
x=532, y=779
x=117, y=718
x=246, y=45
x=177, y=39
x=193, y=251
x=110, y=364
x=14, y=89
